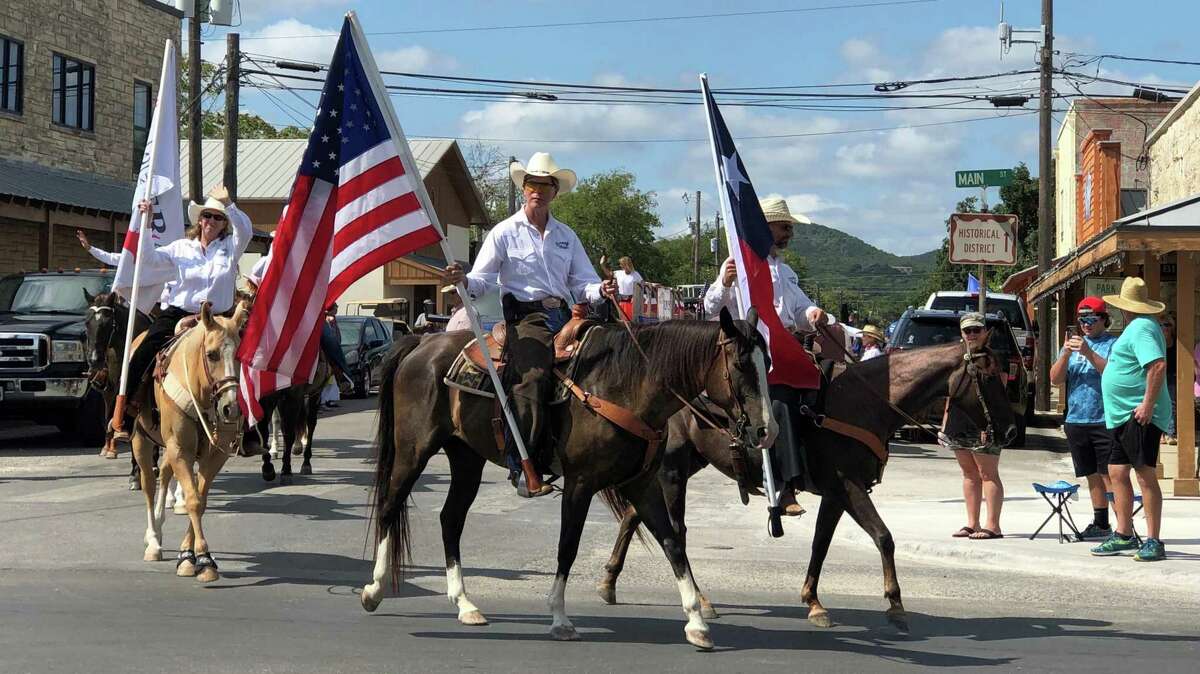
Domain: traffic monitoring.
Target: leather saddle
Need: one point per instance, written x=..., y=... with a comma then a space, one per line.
x=566, y=343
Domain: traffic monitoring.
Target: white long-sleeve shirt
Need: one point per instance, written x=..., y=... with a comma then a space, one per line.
x=791, y=303
x=205, y=275
x=110, y=259
x=532, y=267
x=259, y=270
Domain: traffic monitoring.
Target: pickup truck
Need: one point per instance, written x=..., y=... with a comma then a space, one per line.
x=42, y=357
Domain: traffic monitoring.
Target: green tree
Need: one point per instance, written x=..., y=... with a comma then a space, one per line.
x=489, y=171
x=212, y=112
x=613, y=217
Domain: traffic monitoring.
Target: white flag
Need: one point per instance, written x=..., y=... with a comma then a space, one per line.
x=162, y=189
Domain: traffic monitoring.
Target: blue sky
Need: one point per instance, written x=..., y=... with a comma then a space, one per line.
x=892, y=187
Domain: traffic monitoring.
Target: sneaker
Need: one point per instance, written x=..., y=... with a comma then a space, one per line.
x=1115, y=544
x=1095, y=533
x=1152, y=550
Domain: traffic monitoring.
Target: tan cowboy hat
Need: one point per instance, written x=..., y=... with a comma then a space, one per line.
x=210, y=204
x=449, y=288
x=776, y=210
x=542, y=164
x=874, y=331
x=1135, y=298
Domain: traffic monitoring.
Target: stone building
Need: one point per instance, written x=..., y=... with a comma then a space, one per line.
x=77, y=86
x=1128, y=122
x=1175, y=153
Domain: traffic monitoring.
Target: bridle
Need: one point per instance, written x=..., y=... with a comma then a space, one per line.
x=94, y=376
x=215, y=388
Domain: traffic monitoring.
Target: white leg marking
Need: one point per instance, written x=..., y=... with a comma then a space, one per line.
x=696, y=629
x=153, y=547
x=373, y=594
x=561, y=627
x=456, y=590
x=180, y=507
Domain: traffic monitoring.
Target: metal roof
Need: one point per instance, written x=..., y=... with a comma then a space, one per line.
x=267, y=167
x=68, y=188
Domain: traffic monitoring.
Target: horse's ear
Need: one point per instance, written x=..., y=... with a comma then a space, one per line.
x=752, y=319
x=110, y=298
x=91, y=299
x=727, y=325
x=206, y=316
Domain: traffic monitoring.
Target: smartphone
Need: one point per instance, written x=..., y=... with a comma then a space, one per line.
x=1072, y=331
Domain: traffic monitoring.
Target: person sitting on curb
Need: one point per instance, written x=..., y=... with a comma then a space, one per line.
x=980, y=464
x=1079, y=366
x=1137, y=410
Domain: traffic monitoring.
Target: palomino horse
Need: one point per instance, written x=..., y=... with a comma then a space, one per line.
x=195, y=416
x=419, y=415
x=841, y=469
x=104, y=324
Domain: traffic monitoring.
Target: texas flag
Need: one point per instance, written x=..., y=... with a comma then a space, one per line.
x=750, y=242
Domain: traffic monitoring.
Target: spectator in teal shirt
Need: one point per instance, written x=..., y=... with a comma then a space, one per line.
x=1079, y=365
x=1138, y=410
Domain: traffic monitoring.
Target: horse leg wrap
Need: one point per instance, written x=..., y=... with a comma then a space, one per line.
x=204, y=561
x=186, y=556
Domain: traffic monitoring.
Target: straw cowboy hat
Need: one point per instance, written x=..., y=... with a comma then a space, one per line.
x=449, y=288
x=776, y=210
x=542, y=164
x=1134, y=298
x=210, y=204
x=874, y=331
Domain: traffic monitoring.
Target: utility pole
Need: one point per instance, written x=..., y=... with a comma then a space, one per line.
x=1045, y=215
x=696, y=243
x=196, y=166
x=512, y=189
x=232, y=60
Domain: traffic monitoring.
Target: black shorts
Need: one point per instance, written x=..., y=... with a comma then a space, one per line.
x=1135, y=445
x=1090, y=445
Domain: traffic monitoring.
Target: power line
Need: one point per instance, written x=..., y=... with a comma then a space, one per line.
x=610, y=22
x=1118, y=57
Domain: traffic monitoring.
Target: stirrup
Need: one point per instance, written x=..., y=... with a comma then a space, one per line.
x=523, y=487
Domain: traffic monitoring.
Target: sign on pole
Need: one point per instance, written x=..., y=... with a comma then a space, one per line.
x=983, y=178
x=983, y=238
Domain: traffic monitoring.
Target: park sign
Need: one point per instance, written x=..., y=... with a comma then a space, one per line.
x=983, y=178
x=983, y=238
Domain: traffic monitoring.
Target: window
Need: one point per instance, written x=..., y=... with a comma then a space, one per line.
x=74, y=93
x=1132, y=201
x=12, y=66
x=142, y=110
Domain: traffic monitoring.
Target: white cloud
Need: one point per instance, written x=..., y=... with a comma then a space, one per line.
x=859, y=52
x=259, y=10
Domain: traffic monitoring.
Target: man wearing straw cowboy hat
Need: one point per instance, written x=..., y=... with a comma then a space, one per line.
x=873, y=341
x=542, y=269
x=797, y=312
x=1137, y=410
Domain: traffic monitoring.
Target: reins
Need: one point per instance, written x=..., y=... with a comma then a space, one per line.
x=216, y=389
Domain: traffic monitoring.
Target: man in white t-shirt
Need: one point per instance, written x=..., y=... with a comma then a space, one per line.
x=629, y=288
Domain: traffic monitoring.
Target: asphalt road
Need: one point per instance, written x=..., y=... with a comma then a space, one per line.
x=75, y=595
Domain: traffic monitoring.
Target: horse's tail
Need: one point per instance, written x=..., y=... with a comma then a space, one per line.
x=619, y=506
x=391, y=514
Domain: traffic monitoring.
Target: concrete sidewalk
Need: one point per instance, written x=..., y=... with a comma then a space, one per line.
x=921, y=501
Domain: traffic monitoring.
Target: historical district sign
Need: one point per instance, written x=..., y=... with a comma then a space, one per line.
x=983, y=238
x=983, y=178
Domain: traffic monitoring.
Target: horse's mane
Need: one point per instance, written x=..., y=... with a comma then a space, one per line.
x=679, y=353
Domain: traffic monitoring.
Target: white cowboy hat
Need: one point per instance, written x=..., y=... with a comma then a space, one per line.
x=776, y=210
x=210, y=204
x=1135, y=298
x=542, y=164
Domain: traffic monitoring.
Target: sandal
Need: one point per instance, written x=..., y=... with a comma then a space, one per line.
x=964, y=532
x=985, y=535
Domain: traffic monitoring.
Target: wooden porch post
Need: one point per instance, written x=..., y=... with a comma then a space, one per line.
x=1185, y=483
x=1151, y=268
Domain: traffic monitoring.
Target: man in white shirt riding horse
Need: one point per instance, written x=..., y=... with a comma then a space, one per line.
x=542, y=269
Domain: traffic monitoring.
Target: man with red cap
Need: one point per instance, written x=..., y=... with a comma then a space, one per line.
x=1079, y=366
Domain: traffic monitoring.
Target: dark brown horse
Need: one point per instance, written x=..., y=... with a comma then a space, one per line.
x=420, y=415
x=841, y=470
x=105, y=323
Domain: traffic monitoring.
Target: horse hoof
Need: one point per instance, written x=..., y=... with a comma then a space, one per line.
x=185, y=569
x=297, y=451
x=208, y=575
x=135, y=484
x=285, y=479
x=699, y=639
x=268, y=472
x=899, y=620
x=370, y=602
x=179, y=508
x=474, y=618
x=564, y=633
x=152, y=555
x=821, y=619
x=109, y=454
x=607, y=592
x=708, y=612
x=306, y=469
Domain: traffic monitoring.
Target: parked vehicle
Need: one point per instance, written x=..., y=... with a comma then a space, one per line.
x=926, y=327
x=42, y=356
x=365, y=341
x=1011, y=307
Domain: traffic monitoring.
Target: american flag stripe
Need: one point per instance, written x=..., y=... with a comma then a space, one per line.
x=392, y=216
x=308, y=295
x=381, y=255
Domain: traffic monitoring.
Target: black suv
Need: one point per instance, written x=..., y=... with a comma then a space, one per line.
x=927, y=327
x=42, y=355
x=365, y=341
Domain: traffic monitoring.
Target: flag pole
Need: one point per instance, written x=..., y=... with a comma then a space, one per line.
x=143, y=234
x=774, y=511
x=532, y=478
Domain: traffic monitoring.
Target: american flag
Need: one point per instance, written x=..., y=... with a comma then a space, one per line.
x=750, y=243
x=353, y=207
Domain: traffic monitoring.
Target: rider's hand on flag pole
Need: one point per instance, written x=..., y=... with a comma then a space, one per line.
x=608, y=288
x=453, y=274
x=729, y=273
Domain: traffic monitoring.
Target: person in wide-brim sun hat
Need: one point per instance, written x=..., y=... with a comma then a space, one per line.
x=542, y=164
x=1135, y=298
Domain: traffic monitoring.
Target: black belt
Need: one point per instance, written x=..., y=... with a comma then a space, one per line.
x=515, y=309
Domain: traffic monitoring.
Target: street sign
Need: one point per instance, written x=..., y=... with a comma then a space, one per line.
x=983, y=178
x=983, y=238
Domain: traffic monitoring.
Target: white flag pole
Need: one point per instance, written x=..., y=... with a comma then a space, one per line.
x=532, y=478
x=768, y=474
x=144, y=230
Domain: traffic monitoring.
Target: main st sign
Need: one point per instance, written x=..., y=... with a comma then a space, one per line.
x=983, y=238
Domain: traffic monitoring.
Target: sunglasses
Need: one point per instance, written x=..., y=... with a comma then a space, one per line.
x=1090, y=320
x=973, y=330
x=215, y=217
x=543, y=188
